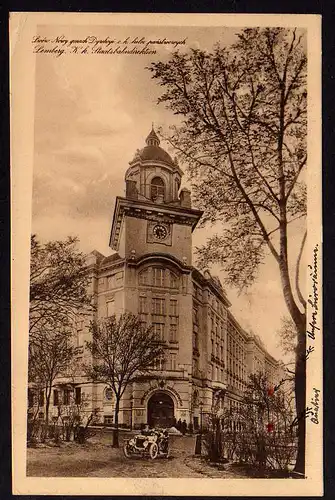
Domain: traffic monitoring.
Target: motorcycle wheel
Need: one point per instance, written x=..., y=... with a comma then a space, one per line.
x=127, y=450
x=153, y=451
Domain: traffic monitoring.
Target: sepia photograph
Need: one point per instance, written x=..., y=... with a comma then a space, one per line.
x=166, y=179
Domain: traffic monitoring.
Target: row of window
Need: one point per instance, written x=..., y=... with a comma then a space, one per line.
x=59, y=397
x=235, y=350
x=163, y=332
x=159, y=277
x=218, y=374
x=162, y=363
x=215, y=304
x=111, y=282
x=217, y=350
x=158, y=306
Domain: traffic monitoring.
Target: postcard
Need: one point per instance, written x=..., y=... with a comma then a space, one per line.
x=166, y=265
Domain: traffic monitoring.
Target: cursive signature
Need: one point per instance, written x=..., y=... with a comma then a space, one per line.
x=313, y=297
x=315, y=402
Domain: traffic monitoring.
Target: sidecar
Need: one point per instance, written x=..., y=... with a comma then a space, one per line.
x=151, y=445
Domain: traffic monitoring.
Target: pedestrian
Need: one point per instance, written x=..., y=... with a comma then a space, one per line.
x=183, y=427
x=179, y=425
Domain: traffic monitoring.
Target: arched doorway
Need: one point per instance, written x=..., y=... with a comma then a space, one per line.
x=160, y=410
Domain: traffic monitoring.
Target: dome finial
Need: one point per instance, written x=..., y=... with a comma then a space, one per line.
x=152, y=139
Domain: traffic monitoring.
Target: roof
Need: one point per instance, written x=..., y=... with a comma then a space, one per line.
x=111, y=258
x=155, y=153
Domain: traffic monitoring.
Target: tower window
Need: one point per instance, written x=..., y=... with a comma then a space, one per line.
x=157, y=188
x=158, y=276
x=158, y=306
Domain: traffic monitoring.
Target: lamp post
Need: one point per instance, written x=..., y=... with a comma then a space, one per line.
x=131, y=412
x=199, y=436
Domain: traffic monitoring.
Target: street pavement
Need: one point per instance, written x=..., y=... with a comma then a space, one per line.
x=98, y=459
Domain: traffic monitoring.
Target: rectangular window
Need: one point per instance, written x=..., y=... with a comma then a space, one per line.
x=158, y=277
x=108, y=419
x=66, y=396
x=144, y=277
x=195, y=315
x=78, y=396
x=174, y=281
x=143, y=305
x=173, y=357
x=159, y=363
x=158, y=329
x=110, y=306
x=173, y=307
x=56, y=397
x=158, y=306
x=143, y=322
x=110, y=282
x=173, y=333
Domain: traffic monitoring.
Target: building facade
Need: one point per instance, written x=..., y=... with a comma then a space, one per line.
x=151, y=274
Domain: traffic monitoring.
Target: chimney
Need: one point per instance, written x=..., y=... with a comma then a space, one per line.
x=185, y=198
x=131, y=190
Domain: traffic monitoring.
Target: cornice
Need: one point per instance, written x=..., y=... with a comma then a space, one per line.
x=150, y=211
x=163, y=257
x=204, y=282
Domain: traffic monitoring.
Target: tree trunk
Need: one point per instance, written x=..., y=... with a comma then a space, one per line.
x=47, y=407
x=299, y=320
x=116, y=424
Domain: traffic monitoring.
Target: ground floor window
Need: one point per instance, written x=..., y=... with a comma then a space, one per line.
x=78, y=395
x=56, y=397
x=108, y=419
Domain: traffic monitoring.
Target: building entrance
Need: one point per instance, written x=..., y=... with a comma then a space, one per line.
x=160, y=410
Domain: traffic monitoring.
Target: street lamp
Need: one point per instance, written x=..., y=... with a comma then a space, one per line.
x=199, y=436
x=131, y=412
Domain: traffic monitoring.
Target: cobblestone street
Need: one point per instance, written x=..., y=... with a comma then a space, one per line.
x=98, y=459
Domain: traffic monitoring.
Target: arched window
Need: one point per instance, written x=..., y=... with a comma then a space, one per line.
x=157, y=188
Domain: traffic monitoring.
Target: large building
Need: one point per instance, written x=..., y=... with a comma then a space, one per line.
x=151, y=274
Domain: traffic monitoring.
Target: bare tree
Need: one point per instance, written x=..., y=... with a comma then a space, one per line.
x=59, y=281
x=243, y=139
x=122, y=348
x=50, y=352
x=266, y=419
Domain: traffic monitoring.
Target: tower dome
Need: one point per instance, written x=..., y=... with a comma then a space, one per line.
x=153, y=175
x=152, y=151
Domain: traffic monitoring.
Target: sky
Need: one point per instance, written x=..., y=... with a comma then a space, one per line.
x=91, y=114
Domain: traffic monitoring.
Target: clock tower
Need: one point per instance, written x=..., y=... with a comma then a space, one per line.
x=152, y=233
x=155, y=216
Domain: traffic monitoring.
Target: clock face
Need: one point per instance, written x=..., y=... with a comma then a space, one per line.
x=160, y=232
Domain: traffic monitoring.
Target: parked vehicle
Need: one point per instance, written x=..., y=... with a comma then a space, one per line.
x=152, y=443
